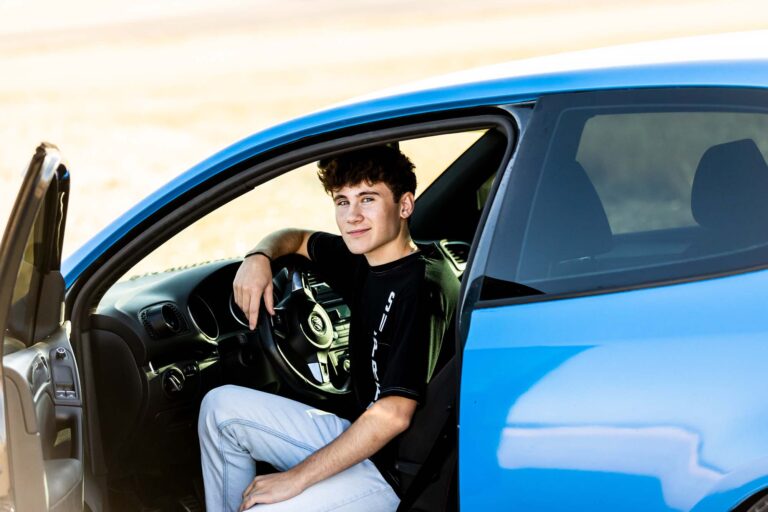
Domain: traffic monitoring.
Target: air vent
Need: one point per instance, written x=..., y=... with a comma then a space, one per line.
x=458, y=252
x=312, y=279
x=323, y=293
x=163, y=320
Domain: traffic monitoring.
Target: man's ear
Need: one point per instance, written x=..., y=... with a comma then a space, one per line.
x=407, y=203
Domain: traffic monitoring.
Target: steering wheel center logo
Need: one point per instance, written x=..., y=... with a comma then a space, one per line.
x=316, y=323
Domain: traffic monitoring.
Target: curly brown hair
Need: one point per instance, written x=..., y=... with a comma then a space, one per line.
x=374, y=164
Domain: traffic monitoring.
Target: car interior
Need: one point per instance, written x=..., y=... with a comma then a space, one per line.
x=151, y=342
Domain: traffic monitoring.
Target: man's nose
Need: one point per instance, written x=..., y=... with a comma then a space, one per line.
x=354, y=215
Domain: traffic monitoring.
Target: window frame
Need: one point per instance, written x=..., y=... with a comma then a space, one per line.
x=309, y=199
x=94, y=281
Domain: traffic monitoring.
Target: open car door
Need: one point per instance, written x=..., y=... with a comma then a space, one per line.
x=40, y=442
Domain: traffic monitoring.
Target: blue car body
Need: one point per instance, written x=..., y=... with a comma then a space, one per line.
x=633, y=399
x=646, y=405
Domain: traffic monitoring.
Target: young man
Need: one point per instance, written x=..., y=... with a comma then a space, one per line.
x=401, y=297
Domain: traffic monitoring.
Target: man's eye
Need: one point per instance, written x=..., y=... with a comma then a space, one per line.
x=367, y=199
x=342, y=203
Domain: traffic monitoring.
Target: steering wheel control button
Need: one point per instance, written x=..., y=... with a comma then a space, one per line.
x=61, y=353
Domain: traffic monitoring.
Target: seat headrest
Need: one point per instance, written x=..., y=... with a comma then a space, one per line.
x=568, y=221
x=730, y=188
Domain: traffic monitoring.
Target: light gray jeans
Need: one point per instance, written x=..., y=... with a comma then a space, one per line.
x=238, y=426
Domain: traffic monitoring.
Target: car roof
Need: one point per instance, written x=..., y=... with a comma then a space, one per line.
x=737, y=46
x=731, y=60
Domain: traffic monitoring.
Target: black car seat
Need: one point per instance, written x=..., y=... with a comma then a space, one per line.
x=568, y=225
x=729, y=198
x=426, y=460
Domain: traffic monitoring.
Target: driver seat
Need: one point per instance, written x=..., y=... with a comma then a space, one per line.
x=427, y=451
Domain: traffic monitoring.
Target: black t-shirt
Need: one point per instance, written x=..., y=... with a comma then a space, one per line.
x=400, y=311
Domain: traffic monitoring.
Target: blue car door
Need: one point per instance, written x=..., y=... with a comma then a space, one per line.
x=615, y=318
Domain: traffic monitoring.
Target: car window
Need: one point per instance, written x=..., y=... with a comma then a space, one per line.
x=23, y=295
x=643, y=164
x=666, y=185
x=294, y=199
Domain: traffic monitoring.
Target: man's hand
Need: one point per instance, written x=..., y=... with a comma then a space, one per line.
x=252, y=282
x=254, y=277
x=271, y=489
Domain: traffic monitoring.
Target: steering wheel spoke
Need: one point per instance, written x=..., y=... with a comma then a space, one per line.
x=318, y=366
x=279, y=321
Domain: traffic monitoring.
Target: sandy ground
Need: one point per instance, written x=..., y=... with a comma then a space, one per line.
x=136, y=92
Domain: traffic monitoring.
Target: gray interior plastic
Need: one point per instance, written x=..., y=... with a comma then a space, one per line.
x=47, y=475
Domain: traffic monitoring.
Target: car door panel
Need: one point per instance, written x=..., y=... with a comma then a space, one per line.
x=47, y=482
x=653, y=391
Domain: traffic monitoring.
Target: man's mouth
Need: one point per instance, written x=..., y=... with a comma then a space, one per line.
x=358, y=232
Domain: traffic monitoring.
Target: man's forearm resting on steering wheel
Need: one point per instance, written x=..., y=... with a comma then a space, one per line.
x=379, y=424
x=254, y=277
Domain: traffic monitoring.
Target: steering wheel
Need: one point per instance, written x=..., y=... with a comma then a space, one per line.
x=298, y=338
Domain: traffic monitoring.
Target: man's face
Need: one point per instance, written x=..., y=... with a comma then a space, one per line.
x=371, y=222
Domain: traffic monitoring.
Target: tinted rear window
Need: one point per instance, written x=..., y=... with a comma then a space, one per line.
x=626, y=188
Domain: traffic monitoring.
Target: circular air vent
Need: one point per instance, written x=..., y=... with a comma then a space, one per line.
x=163, y=320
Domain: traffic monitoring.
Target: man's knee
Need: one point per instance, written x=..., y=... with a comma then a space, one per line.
x=230, y=402
x=216, y=405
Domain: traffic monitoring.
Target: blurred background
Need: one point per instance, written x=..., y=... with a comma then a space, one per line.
x=134, y=93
